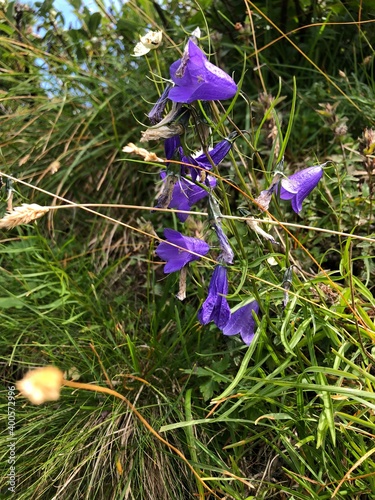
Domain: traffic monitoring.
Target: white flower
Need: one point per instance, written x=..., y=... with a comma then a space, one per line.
x=41, y=385
x=150, y=41
x=197, y=32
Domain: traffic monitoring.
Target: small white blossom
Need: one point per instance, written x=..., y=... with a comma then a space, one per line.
x=197, y=33
x=150, y=41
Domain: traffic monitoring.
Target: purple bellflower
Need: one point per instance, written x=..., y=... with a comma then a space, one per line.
x=185, y=194
x=172, y=147
x=215, y=308
x=195, y=78
x=299, y=185
x=217, y=154
x=176, y=257
x=243, y=322
x=180, y=192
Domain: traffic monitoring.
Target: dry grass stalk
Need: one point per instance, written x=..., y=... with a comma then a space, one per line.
x=132, y=148
x=22, y=215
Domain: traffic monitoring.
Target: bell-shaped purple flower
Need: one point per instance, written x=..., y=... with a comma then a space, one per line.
x=186, y=193
x=243, y=322
x=195, y=78
x=299, y=185
x=176, y=257
x=215, y=308
x=217, y=154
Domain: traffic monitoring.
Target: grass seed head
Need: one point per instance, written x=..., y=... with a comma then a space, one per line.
x=22, y=215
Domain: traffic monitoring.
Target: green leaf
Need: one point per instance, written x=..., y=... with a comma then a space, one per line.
x=7, y=302
x=76, y=4
x=207, y=389
x=7, y=29
x=94, y=22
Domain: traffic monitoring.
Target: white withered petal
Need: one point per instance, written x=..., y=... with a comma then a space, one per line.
x=150, y=41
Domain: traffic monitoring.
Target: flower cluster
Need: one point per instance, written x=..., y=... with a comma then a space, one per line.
x=189, y=178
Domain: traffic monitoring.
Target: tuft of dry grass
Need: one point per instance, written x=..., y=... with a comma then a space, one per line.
x=22, y=215
x=132, y=148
